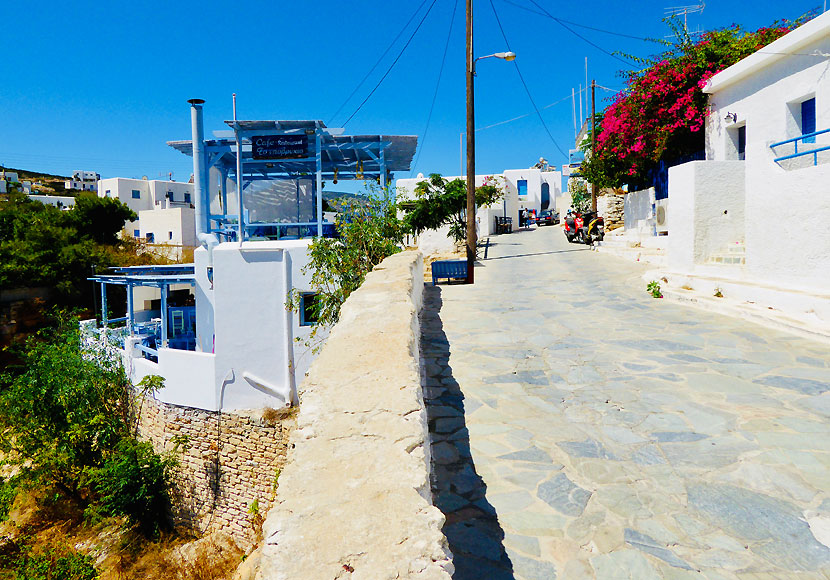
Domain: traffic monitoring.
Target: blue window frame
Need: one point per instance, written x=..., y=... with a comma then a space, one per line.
x=187, y=197
x=136, y=233
x=136, y=194
x=151, y=238
x=308, y=312
x=522, y=186
x=742, y=143
x=808, y=119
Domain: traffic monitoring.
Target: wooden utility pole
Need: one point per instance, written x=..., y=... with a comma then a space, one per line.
x=471, y=151
x=593, y=139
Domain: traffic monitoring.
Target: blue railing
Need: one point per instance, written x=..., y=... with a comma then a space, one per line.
x=806, y=138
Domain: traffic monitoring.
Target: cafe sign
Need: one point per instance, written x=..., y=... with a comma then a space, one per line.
x=279, y=146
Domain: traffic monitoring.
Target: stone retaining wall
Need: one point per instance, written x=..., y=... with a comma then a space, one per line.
x=227, y=464
x=354, y=499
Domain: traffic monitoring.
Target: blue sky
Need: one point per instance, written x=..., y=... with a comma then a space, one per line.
x=102, y=86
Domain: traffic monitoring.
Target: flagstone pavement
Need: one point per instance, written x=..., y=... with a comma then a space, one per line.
x=582, y=429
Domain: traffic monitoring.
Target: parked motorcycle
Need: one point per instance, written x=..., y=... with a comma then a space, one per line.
x=584, y=228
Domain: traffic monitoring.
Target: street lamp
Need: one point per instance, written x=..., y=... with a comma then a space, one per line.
x=471, y=141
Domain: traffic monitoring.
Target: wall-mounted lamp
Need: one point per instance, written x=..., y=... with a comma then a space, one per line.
x=731, y=117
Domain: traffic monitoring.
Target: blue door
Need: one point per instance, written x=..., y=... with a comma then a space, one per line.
x=808, y=119
x=545, y=196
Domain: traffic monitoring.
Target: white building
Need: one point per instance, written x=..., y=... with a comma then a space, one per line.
x=165, y=209
x=83, y=180
x=530, y=189
x=58, y=201
x=228, y=342
x=757, y=209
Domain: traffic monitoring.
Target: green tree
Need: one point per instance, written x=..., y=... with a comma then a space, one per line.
x=439, y=202
x=99, y=218
x=367, y=232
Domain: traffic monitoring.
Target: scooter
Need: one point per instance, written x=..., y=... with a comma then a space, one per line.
x=584, y=228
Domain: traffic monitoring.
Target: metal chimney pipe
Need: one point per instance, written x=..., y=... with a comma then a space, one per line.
x=199, y=180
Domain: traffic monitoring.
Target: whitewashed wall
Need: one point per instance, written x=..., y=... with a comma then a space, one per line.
x=706, y=211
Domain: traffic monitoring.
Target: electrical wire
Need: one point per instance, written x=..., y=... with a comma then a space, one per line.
x=437, y=84
x=524, y=84
x=572, y=23
x=575, y=33
x=380, y=59
x=394, y=62
x=521, y=116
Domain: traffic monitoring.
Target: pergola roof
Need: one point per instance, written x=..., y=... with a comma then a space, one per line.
x=156, y=276
x=338, y=152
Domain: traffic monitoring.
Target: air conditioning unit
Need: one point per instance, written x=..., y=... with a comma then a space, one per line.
x=661, y=220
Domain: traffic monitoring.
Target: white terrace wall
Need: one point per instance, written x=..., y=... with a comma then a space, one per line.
x=356, y=491
x=707, y=211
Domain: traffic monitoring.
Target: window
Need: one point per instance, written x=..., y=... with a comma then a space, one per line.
x=171, y=197
x=169, y=235
x=136, y=233
x=308, y=310
x=136, y=194
x=108, y=193
x=742, y=143
x=808, y=119
x=187, y=196
x=150, y=237
x=522, y=186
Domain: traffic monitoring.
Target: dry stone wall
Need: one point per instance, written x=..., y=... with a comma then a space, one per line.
x=354, y=500
x=227, y=464
x=611, y=206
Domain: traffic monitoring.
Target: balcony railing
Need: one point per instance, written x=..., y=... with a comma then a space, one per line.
x=806, y=138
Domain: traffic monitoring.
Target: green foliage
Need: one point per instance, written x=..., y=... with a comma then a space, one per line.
x=439, y=202
x=8, y=493
x=653, y=288
x=65, y=420
x=662, y=112
x=54, y=563
x=41, y=245
x=367, y=233
x=580, y=198
x=133, y=481
x=63, y=411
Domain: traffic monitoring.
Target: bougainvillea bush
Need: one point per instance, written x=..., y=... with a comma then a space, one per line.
x=662, y=112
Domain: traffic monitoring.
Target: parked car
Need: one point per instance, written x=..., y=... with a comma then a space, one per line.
x=547, y=218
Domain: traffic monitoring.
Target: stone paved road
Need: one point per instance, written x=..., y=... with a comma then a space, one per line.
x=582, y=429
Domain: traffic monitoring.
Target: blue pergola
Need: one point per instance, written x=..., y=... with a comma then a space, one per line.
x=292, y=150
x=161, y=277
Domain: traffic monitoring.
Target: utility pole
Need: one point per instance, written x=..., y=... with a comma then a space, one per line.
x=471, y=151
x=593, y=139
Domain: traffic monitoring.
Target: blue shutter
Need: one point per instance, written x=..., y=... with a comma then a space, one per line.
x=521, y=185
x=808, y=119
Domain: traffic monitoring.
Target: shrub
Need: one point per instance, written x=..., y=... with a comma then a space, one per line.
x=55, y=563
x=134, y=482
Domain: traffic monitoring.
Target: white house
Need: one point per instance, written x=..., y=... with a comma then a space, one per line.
x=83, y=180
x=59, y=201
x=229, y=342
x=531, y=189
x=165, y=209
x=756, y=210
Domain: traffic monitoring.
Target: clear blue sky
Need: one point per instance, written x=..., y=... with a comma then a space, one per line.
x=102, y=86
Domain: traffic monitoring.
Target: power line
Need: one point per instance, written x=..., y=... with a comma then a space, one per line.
x=394, y=62
x=380, y=59
x=437, y=84
x=521, y=116
x=524, y=84
x=575, y=33
x=578, y=25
